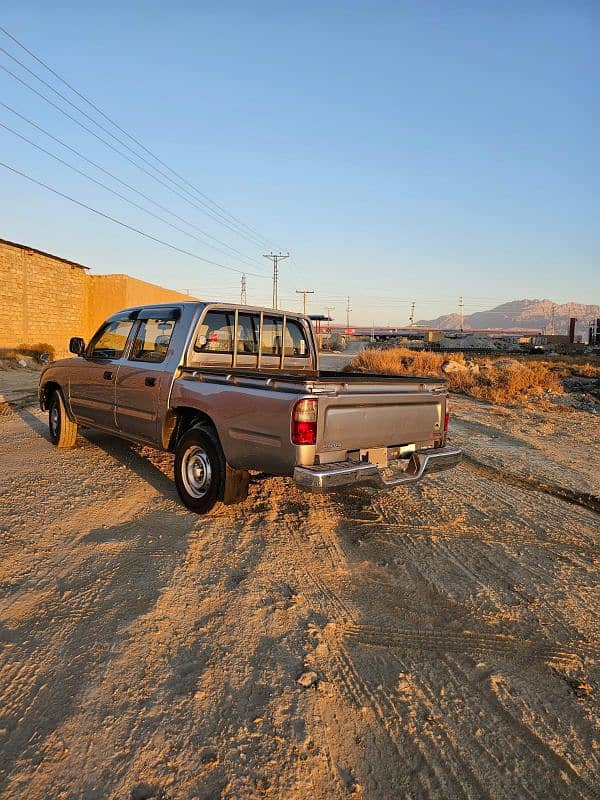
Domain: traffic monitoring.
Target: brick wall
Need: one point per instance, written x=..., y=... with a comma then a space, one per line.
x=46, y=300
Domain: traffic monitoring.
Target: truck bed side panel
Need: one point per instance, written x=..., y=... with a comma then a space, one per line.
x=253, y=424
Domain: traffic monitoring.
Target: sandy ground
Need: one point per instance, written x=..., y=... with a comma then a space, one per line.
x=452, y=628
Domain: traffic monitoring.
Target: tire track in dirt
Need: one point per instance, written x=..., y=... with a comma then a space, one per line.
x=551, y=761
x=585, y=499
x=475, y=644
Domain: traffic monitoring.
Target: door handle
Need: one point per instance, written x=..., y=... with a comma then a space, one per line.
x=107, y=375
x=150, y=381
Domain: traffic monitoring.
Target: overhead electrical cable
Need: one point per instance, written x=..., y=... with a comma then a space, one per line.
x=129, y=227
x=124, y=183
x=220, y=210
x=106, y=130
x=109, y=189
x=123, y=155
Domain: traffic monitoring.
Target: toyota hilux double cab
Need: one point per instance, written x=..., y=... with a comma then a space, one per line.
x=234, y=389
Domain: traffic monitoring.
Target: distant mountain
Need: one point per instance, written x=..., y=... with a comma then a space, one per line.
x=522, y=315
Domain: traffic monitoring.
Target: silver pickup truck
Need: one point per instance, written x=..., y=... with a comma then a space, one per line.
x=233, y=389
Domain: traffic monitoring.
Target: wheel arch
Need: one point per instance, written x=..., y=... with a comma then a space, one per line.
x=46, y=392
x=182, y=419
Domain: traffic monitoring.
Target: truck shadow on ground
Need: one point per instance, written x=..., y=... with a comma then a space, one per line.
x=153, y=466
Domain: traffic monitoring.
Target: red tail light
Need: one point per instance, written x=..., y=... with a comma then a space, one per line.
x=304, y=421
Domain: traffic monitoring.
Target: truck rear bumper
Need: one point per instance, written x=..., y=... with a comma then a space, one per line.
x=344, y=474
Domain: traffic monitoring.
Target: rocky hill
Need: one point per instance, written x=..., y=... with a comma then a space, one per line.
x=522, y=315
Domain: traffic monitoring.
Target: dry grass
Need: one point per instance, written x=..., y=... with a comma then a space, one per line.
x=10, y=356
x=501, y=381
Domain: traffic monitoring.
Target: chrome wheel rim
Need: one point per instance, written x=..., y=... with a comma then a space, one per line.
x=196, y=471
x=54, y=419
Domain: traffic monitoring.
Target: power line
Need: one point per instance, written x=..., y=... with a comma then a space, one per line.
x=118, y=127
x=131, y=188
x=108, y=188
x=124, y=224
x=127, y=157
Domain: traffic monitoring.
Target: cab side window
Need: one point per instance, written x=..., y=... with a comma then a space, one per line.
x=217, y=333
x=152, y=340
x=110, y=340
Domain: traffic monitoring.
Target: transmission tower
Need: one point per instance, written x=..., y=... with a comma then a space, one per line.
x=243, y=296
x=304, y=292
x=348, y=310
x=276, y=258
x=412, y=314
x=461, y=311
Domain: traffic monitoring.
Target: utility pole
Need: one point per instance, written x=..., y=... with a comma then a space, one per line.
x=243, y=296
x=304, y=292
x=348, y=310
x=553, y=310
x=461, y=311
x=412, y=314
x=329, y=309
x=276, y=258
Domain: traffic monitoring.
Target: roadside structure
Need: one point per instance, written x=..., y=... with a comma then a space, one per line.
x=45, y=299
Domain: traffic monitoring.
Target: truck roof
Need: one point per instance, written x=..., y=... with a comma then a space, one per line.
x=204, y=303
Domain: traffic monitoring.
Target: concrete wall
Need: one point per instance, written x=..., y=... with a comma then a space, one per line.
x=44, y=300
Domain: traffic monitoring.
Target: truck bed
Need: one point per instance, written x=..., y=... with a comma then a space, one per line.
x=356, y=412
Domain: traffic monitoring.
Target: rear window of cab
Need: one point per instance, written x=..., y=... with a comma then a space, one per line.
x=217, y=332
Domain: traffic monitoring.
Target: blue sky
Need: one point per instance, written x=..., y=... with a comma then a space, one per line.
x=400, y=151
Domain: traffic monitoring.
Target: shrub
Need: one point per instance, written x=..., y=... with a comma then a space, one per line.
x=508, y=382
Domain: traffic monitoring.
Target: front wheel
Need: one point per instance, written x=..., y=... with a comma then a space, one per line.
x=200, y=470
x=63, y=431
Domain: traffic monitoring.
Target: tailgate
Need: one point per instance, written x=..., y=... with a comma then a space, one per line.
x=365, y=421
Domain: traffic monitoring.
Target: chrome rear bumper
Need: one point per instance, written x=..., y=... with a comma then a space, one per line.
x=343, y=474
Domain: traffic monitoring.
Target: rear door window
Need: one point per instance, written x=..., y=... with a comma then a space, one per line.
x=152, y=340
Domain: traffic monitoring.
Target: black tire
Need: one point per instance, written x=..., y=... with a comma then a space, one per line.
x=63, y=431
x=200, y=469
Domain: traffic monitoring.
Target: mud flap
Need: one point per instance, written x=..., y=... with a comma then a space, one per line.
x=236, y=485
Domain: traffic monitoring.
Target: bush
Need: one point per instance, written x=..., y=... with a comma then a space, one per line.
x=510, y=382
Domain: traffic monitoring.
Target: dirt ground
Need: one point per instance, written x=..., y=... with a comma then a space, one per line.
x=447, y=633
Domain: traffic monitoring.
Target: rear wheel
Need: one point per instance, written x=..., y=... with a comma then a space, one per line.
x=63, y=431
x=200, y=470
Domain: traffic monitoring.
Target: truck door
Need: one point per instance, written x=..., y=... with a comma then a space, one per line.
x=144, y=377
x=93, y=377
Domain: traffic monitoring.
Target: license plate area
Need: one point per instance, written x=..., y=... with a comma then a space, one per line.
x=376, y=455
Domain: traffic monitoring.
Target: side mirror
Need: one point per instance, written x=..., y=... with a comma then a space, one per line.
x=76, y=345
